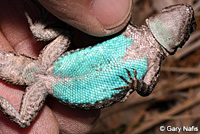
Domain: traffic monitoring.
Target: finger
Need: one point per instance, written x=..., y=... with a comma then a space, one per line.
x=95, y=17
x=40, y=124
x=74, y=120
x=15, y=32
x=15, y=36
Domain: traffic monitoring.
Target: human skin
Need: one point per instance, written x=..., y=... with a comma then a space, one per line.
x=16, y=36
x=95, y=17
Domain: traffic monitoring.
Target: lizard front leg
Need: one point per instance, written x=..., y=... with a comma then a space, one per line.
x=32, y=102
x=149, y=81
x=138, y=85
x=143, y=89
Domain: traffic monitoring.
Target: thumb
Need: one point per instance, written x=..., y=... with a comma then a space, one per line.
x=94, y=17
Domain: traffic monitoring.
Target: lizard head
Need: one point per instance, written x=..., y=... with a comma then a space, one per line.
x=172, y=26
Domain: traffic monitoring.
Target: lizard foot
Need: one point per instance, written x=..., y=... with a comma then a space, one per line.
x=41, y=29
x=138, y=85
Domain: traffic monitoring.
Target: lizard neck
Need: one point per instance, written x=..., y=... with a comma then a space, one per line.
x=144, y=43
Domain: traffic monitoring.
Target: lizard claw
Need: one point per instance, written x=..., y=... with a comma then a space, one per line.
x=39, y=28
x=138, y=85
x=133, y=81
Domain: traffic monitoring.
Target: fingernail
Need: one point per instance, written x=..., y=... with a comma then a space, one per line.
x=111, y=13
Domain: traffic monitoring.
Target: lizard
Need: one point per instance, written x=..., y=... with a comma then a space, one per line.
x=94, y=77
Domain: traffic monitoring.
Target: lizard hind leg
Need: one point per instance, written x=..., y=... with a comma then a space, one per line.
x=13, y=66
x=31, y=104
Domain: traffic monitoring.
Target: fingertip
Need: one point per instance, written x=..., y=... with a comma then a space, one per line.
x=73, y=120
x=111, y=13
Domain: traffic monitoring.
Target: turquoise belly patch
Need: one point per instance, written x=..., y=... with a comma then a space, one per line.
x=93, y=73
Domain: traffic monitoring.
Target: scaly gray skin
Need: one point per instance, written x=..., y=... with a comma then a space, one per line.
x=173, y=24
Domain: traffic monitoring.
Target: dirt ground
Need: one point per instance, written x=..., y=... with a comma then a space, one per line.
x=175, y=101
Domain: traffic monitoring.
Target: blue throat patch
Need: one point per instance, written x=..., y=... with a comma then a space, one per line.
x=93, y=73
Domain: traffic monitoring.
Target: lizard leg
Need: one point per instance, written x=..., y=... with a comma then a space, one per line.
x=138, y=85
x=152, y=74
x=144, y=89
x=53, y=51
x=12, y=66
x=40, y=29
x=31, y=104
x=128, y=89
x=149, y=81
x=20, y=69
x=132, y=80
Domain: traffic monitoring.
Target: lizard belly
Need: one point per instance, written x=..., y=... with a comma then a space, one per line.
x=93, y=73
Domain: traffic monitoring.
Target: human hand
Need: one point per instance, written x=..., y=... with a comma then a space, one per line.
x=54, y=117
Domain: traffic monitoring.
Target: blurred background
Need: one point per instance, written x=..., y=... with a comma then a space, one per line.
x=175, y=100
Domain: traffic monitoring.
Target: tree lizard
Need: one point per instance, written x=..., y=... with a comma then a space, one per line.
x=98, y=76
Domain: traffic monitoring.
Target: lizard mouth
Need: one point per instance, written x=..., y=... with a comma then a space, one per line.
x=173, y=26
x=190, y=26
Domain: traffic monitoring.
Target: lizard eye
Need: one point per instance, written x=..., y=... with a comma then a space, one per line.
x=172, y=26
